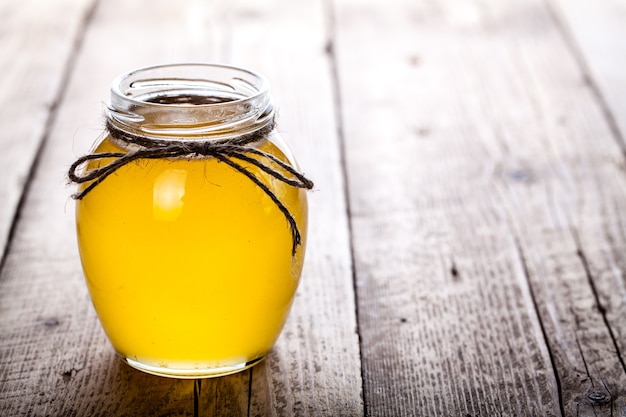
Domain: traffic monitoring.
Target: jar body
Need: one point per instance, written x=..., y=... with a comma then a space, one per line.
x=188, y=262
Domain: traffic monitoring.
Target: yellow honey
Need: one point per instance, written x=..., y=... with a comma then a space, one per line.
x=189, y=263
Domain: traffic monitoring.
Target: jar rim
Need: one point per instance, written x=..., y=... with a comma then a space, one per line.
x=116, y=85
x=190, y=100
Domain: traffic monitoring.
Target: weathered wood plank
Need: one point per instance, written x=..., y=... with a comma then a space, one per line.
x=595, y=30
x=54, y=356
x=472, y=175
x=316, y=370
x=36, y=42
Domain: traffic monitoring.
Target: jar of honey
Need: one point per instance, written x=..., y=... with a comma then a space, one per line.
x=191, y=219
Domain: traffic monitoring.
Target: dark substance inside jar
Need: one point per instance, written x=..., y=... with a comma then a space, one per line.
x=188, y=99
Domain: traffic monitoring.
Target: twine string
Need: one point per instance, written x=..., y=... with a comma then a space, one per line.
x=228, y=151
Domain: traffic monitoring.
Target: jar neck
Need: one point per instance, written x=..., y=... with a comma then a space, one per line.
x=190, y=101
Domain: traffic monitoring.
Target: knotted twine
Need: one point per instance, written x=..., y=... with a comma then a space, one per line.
x=227, y=151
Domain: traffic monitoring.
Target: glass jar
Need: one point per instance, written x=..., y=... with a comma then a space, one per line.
x=191, y=221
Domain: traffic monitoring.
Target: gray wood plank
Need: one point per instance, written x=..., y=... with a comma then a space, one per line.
x=55, y=358
x=320, y=340
x=37, y=44
x=477, y=158
x=595, y=30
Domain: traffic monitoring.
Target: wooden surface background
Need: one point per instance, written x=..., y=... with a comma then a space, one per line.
x=467, y=230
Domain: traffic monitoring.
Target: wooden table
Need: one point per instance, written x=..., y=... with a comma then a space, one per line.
x=467, y=228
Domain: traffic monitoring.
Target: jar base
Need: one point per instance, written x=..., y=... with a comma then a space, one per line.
x=191, y=373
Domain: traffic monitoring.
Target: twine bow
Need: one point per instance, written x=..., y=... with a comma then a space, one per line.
x=226, y=151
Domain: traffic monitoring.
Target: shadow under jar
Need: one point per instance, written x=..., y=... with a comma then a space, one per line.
x=191, y=250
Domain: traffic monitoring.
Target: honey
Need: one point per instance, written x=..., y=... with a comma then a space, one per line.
x=189, y=263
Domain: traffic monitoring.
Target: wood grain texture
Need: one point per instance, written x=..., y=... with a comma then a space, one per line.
x=316, y=370
x=483, y=146
x=595, y=31
x=477, y=157
x=37, y=40
x=54, y=357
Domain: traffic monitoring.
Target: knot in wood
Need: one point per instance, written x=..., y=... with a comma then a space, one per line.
x=599, y=397
x=51, y=322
